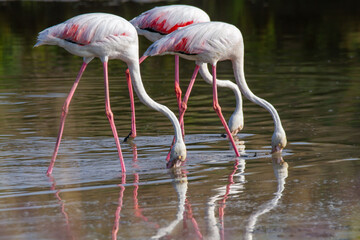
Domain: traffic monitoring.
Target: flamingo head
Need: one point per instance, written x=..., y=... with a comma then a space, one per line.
x=278, y=141
x=177, y=155
x=236, y=123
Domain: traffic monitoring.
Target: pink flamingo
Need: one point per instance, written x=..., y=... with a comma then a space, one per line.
x=105, y=36
x=161, y=21
x=211, y=42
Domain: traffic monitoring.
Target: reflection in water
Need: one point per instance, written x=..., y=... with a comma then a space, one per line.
x=137, y=209
x=188, y=216
x=317, y=66
x=213, y=231
x=184, y=210
x=119, y=207
x=62, y=206
x=181, y=185
x=281, y=173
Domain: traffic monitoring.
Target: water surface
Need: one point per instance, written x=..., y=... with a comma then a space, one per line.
x=305, y=61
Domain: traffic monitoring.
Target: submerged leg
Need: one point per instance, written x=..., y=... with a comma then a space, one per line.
x=64, y=113
x=110, y=116
x=217, y=109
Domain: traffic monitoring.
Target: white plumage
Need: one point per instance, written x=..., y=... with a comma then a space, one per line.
x=92, y=35
x=208, y=42
x=105, y=36
x=160, y=21
x=211, y=42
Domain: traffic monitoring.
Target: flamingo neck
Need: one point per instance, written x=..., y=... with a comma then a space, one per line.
x=134, y=69
x=206, y=75
x=238, y=66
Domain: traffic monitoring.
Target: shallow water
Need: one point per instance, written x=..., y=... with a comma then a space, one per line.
x=305, y=61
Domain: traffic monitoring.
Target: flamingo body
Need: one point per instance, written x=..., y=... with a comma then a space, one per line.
x=105, y=36
x=211, y=42
x=203, y=42
x=92, y=35
x=160, y=21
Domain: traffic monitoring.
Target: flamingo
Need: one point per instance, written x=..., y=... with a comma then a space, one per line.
x=161, y=21
x=105, y=36
x=211, y=42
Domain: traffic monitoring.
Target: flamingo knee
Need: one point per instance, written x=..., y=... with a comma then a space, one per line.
x=65, y=110
x=183, y=107
x=109, y=114
x=178, y=91
x=217, y=107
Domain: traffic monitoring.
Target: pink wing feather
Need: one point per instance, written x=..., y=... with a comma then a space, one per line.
x=214, y=38
x=159, y=21
x=86, y=29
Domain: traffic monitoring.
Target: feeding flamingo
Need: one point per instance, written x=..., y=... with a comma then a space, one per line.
x=105, y=36
x=161, y=21
x=211, y=42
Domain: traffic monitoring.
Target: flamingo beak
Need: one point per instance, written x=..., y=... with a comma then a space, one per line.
x=174, y=163
x=233, y=133
x=277, y=149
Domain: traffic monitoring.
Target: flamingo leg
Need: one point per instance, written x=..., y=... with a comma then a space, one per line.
x=110, y=116
x=132, y=134
x=132, y=105
x=217, y=109
x=178, y=91
x=187, y=95
x=115, y=229
x=64, y=113
x=183, y=105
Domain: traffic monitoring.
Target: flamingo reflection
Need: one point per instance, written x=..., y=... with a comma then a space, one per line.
x=214, y=230
x=62, y=205
x=184, y=211
x=137, y=209
x=281, y=173
x=119, y=207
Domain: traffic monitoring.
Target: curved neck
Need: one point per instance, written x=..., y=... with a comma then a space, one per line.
x=205, y=74
x=144, y=98
x=238, y=66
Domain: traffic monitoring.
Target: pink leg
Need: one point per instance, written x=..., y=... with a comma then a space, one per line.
x=110, y=116
x=183, y=105
x=187, y=94
x=132, y=104
x=178, y=91
x=64, y=113
x=142, y=59
x=217, y=109
x=118, y=209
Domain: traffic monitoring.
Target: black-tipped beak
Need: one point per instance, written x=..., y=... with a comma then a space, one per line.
x=276, y=149
x=174, y=163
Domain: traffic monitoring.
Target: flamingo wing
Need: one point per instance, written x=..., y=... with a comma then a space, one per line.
x=86, y=29
x=161, y=21
x=214, y=37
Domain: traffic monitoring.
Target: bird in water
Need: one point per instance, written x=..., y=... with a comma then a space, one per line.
x=161, y=21
x=211, y=42
x=105, y=36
